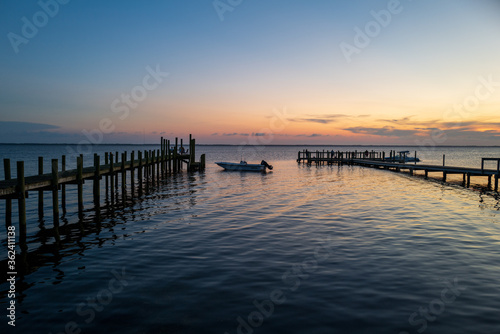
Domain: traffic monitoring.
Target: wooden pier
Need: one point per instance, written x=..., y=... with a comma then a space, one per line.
x=147, y=167
x=397, y=163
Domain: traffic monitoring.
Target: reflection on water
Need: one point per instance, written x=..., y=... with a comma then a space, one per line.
x=328, y=249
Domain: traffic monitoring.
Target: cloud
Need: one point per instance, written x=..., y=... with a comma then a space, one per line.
x=313, y=135
x=24, y=127
x=321, y=119
x=386, y=131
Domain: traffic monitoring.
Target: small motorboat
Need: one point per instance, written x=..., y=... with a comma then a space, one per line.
x=402, y=157
x=244, y=166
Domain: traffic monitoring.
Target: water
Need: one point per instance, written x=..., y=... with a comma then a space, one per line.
x=298, y=250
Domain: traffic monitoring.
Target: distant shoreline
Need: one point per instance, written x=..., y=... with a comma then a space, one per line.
x=283, y=145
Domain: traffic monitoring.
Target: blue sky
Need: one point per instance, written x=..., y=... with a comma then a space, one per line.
x=230, y=76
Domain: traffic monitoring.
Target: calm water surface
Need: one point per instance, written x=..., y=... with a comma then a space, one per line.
x=297, y=250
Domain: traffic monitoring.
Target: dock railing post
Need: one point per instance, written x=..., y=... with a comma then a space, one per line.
x=106, y=178
x=202, y=161
x=132, y=178
x=97, y=176
x=40, y=192
x=55, y=197
x=8, y=201
x=79, y=181
x=497, y=175
x=112, y=178
x=124, y=177
x=63, y=186
x=139, y=172
x=21, y=193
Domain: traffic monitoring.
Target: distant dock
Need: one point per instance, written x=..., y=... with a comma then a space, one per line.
x=144, y=169
x=393, y=162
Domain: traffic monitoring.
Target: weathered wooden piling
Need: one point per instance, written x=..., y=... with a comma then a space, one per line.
x=40, y=192
x=112, y=179
x=79, y=182
x=63, y=186
x=8, y=201
x=139, y=172
x=21, y=203
x=132, y=171
x=124, y=177
x=55, y=197
x=106, y=178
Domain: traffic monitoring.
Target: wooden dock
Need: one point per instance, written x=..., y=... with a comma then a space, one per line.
x=146, y=168
x=378, y=160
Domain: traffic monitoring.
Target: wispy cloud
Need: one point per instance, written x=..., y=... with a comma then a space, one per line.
x=322, y=119
x=386, y=131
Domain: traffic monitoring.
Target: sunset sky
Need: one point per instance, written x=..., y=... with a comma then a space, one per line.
x=262, y=71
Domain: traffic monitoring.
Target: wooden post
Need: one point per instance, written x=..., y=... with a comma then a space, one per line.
x=112, y=178
x=8, y=202
x=415, y=157
x=124, y=177
x=146, y=166
x=152, y=166
x=426, y=173
x=175, y=162
x=202, y=162
x=79, y=179
x=55, y=197
x=162, y=162
x=464, y=180
x=40, y=192
x=489, y=181
x=497, y=175
x=21, y=202
x=132, y=179
x=97, y=176
x=63, y=186
x=146, y=169
x=158, y=163
x=468, y=180
x=169, y=156
x=106, y=178
x=116, y=174
x=444, y=176
x=139, y=172
x=191, y=149
x=444, y=159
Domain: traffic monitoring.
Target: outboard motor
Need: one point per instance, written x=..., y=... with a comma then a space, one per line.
x=263, y=162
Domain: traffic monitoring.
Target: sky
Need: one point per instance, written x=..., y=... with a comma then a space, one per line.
x=408, y=72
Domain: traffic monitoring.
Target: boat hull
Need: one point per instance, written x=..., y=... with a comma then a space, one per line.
x=242, y=167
